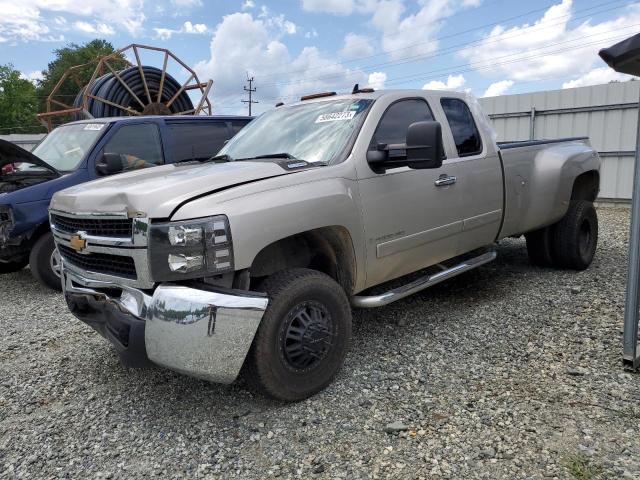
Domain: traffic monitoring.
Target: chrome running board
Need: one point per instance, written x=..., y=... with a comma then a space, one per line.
x=422, y=283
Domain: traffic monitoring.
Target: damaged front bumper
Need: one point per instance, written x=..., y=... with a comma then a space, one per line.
x=201, y=333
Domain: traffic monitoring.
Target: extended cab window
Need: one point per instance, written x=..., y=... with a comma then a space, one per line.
x=197, y=140
x=137, y=145
x=463, y=127
x=395, y=122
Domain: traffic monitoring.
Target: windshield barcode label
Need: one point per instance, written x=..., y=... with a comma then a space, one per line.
x=332, y=117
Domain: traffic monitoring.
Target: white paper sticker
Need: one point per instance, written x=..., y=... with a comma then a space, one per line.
x=93, y=126
x=335, y=116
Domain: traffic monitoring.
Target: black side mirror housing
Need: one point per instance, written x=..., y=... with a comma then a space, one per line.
x=109, y=164
x=422, y=149
x=424, y=145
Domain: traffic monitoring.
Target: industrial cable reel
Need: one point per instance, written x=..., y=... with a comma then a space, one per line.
x=135, y=90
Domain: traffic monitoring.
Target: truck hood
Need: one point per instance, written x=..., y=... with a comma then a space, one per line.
x=158, y=191
x=11, y=153
x=12, y=179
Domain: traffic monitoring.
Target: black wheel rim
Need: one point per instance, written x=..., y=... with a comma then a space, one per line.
x=306, y=336
x=585, y=236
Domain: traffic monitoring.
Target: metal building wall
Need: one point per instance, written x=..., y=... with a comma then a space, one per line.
x=607, y=114
x=26, y=141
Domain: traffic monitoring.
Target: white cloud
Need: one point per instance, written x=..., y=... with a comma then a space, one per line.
x=248, y=4
x=98, y=28
x=278, y=21
x=339, y=7
x=377, y=80
x=187, y=3
x=498, y=88
x=415, y=34
x=197, y=28
x=24, y=20
x=244, y=45
x=549, y=47
x=33, y=77
x=597, y=76
x=313, y=33
x=187, y=27
x=356, y=46
x=454, y=82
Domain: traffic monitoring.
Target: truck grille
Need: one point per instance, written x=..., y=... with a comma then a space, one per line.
x=120, y=228
x=100, y=262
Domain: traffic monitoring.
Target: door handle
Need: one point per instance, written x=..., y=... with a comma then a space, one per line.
x=444, y=180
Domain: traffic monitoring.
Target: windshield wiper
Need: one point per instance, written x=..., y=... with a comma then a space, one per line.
x=288, y=156
x=217, y=158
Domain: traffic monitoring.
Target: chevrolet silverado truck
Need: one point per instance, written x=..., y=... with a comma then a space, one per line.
x=82, y=151
x=251, y=261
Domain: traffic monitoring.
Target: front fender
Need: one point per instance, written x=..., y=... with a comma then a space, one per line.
x=261, y=218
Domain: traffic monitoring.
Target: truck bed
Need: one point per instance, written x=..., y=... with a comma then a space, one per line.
x=538, y=180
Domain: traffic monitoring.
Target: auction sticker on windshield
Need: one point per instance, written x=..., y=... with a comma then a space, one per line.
x=94, y=126
x=335, y=116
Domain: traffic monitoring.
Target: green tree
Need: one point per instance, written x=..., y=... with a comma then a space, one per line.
x=71, y=56
x=18, y=103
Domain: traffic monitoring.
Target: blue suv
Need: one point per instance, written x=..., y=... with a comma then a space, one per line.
x=82, y=151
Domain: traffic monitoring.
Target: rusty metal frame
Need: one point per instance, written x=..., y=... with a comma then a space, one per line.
x=57, y=107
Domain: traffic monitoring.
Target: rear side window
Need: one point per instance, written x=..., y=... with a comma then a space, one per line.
x=237, y=125
x=138, y=145
x=396, y=120
x=195, y=141
x=463, y=127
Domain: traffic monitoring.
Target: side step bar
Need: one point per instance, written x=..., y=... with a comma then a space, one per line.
x=422, y=283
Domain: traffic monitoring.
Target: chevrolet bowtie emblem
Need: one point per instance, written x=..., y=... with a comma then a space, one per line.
x=77, y=243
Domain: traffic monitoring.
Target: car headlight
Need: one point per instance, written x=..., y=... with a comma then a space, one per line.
x=190, y=248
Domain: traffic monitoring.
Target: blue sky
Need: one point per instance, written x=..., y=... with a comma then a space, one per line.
x=294, y=47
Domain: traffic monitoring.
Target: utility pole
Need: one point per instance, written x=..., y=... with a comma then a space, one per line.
x=250, y=90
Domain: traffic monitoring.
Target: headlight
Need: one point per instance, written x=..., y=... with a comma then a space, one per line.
x=190, y=248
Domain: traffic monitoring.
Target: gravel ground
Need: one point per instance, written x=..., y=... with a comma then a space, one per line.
x=505, y=372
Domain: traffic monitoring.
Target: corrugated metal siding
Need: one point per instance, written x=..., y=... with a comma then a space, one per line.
x=611, y=131
x=26, y=141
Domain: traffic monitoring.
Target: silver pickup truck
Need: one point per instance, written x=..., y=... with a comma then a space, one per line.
x=251, y=261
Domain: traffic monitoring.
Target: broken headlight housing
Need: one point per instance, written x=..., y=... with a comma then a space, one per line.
x=6, y=222
x=190, y=249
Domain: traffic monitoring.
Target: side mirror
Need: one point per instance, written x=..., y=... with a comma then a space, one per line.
x=109, y=164
x=424, y=145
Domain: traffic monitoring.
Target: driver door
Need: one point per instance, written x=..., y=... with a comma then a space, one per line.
x=410, y=222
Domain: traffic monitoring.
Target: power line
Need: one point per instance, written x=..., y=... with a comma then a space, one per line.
x=440, y=53
x=374, y=55
x=452, y=35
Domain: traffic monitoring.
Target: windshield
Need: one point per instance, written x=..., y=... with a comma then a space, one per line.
x=67, y=146
x=315, y=132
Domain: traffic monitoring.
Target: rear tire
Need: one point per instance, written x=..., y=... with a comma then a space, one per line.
x=539, y=247
x=575, y=237
x=12, y=267
x=42, y=261
x=303, y=337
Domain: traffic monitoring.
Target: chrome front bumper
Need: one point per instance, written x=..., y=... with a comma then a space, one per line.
x=205, y=334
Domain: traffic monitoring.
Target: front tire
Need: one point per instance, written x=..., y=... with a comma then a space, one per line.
x=44, y=262
x=303, y=337
x=575, y=237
